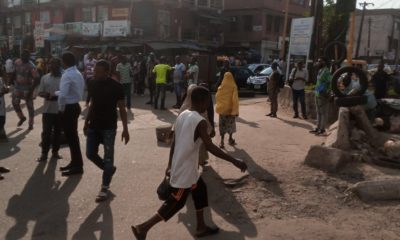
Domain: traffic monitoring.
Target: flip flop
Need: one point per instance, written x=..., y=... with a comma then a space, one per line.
x=208, y=232
x=232, y=142
x=137, y=234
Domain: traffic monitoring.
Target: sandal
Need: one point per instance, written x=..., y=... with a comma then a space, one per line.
x=137, y=234
x=207, y=232
x=232, y=142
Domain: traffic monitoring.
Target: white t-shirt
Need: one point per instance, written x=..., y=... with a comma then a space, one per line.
x=9, y=66
x=299, y=84
x=195, y=70
x=50, y=84
x=185, y=161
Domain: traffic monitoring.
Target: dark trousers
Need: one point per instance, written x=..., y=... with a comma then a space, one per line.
x=2, y=121
x=107, y=138
x=51, y=127
x=299, y=95
x=176, y=201
x=70, y=125
x=127, y=91
x=273, y=97
x=141, y=84
x=151, y=84
x=178, y=88
x=160, y=90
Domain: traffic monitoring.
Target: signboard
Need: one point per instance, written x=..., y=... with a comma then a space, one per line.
x=39, y=34
x=73, y=27
x=120, y=12
x=91, y=29
x=257, y=28
x=116, y=28
x=300, y=36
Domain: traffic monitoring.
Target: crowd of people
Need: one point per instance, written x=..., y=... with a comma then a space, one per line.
x=110, y=81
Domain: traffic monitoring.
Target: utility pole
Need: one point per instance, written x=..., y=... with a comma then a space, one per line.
x=364, y=7
x=369, y=37
x=283, y=42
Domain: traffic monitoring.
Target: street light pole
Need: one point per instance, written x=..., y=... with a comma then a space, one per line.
x=364, y=5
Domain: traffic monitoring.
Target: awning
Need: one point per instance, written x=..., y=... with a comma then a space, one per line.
x=157, y=46
x=56, y=38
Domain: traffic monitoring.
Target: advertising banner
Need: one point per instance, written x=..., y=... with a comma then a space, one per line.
x=116, y=28
x=91, y=29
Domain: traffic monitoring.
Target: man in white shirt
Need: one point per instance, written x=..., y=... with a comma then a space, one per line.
x=179, y=71
x=51, y=122
x=193, y=72
x=183, y=167
x=297, y=80
x=71, y=91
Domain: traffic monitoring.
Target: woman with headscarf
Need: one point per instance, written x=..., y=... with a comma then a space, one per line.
x=227, y=107
x=187, y=104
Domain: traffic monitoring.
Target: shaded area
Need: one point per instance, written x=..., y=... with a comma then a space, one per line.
x=47, y=203
x=11, y=147
x=250, y=124
x=99, y=220
x=306, y=125
x=224, y=203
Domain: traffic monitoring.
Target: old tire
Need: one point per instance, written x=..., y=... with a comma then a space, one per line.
x=338, y=74
x=351, y=101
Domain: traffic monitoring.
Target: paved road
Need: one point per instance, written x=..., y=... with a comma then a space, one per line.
x=38, y=203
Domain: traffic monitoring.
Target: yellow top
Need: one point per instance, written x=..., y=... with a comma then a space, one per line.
x=161, y=71
x=227, y=97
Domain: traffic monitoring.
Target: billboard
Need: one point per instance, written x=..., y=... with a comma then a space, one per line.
x=91, y=29
x=116, y=28
x=300, y=36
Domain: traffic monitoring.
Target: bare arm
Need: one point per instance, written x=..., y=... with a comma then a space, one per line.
x=124, y=119
x=201, y=131
x=171, y=154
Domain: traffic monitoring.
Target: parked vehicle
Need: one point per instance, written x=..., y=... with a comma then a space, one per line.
x=259, y=81
x=257, y=67
x=241, y=74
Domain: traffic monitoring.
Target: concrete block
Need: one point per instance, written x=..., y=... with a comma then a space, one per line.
x=377, y=190
x=339, y=136
x=326, y=158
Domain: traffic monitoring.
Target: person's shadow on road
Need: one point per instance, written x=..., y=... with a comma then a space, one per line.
x=92, y=224
x=11, y=147
x=224, y=203
x=43, y=201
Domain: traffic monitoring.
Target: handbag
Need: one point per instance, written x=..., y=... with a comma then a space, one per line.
x=164, y=189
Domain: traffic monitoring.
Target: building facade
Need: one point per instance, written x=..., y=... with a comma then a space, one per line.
x=380, y=38
x=64, y=23
x=259, y=24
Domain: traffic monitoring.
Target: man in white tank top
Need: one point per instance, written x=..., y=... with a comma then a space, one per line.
x=183, y=167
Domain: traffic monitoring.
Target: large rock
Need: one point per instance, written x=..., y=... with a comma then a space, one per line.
x=326, y=158
x=378, y=190
x=339, y=136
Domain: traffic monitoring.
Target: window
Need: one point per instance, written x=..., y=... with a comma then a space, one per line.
x=28, y=18
x=269, y=23
x=278, y=22
x=216, y=3
x=87, y=14
x=102, y=13
x=234, y=24
x=202, y=3
x=45, y=16
x=298, y=2
x=247, y=23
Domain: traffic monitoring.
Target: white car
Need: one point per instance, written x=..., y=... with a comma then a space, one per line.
x=259, y=81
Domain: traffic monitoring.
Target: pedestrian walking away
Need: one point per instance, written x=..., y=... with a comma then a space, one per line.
x=71, y=91
x=151, y=81
x=190, y=130
x=322, y=95
x=297, y=80
x=161, y=71
x=101, y=123
x=179, y=81
x=51, y=122
x=124, y=72
x=227, y=106
x=26, y=78
x=273, y=90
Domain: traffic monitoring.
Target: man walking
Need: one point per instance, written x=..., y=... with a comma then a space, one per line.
x=71, y=91
x=297, y=80
x=322, y=95
x=193, y=72
x=273, y=90
x=26, y=80
x=161, y=71
x=179, y=73
x=124, y=72
x=101, y=123
x=51, y=122
x=183, y=167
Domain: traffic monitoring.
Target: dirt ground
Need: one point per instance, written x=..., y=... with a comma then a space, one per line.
x=280, y=192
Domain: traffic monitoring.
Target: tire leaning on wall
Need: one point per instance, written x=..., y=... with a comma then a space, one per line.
x=361, y=76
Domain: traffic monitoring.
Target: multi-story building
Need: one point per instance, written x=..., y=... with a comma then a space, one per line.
x=259, y=24
x=380, y=38
x=98, y=21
